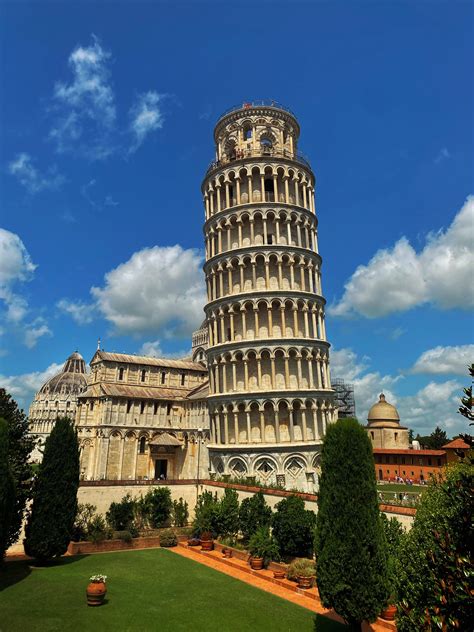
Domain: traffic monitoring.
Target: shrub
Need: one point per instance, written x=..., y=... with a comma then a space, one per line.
x=168, y=538
x=156, y=507
x=7, y=490
x=293, y=527
x=84, y=515
x=120, y=516
x=53, y=512
x=228, y=513
x=206, y=514
x=301, y=567
x=180, y=513
x=351, y=550
x=125, y=536
x=262, y=544
x=97, y=530
x=253, y=514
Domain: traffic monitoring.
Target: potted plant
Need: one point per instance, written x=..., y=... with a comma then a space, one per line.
x=168, y=538
x=302, y=570
x=194, y=541
x=279, y=573
x=207, y=542
x=226, y=552
x=96, y=590
x=262, y=548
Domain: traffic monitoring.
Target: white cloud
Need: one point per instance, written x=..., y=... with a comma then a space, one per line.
x=445, y=360
x=34, y=331
x=399, y=279
x=22, y=167
x=81, y=313
x=86, y=105
x=16, y=266
x=442, y=155
x=153, y=348
x=146, y=117
x=434, y=404
x=158, y=290
x=23, y=387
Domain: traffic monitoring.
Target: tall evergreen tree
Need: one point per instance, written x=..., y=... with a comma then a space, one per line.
x=351, y=549
x=20, y=445
x=7, y=490
x=50, y=524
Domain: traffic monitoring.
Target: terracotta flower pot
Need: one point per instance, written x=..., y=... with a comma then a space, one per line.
x=194, y=541
x=207, y=545
x=279, y=574
x=256, y=563
x=389, y=613
x=304, y=582
x=96, y=592
x=227, y=553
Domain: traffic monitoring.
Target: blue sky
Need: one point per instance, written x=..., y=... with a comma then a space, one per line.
x=107, y=115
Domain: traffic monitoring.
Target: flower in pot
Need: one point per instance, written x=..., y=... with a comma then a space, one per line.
x=262, y=548
x=96, y=590
x=207, y=542
x=302, y=571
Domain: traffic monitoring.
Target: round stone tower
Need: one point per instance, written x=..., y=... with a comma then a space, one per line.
x=270, y=395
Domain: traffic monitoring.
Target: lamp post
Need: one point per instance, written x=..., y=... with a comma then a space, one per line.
x=199, y=435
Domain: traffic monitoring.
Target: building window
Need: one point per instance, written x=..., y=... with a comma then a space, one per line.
x=266, y=142
x=155, y=408
x=91, y=406
x=247, y=132
x=269, y=238
x=396, y=436
x=372, y=434
x=142, y=445
x=129, y=405
x=163, y=377
x=120, y=373
x=142, y=407
x=183, y=376
x=68, y=404
x=429, y=460
x=143, y=375
x=168, y=408
x=439, y=462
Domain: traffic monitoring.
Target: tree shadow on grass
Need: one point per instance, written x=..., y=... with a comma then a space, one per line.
x=325, y=624
x=14, y=572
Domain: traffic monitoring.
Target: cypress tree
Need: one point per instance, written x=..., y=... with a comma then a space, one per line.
x=7, y=490
x=50, y=524
x=351, y=550
x=20, y=444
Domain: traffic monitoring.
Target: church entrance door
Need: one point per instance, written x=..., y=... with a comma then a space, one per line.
x=161, y=469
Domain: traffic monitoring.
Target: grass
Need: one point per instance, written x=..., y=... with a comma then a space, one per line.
x=401, y=487
x=148, y=590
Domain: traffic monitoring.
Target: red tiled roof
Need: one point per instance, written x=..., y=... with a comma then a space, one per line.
x=457, y=444
x=412, y=452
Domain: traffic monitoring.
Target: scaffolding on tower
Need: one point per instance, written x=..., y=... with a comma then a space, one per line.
x=344, y=398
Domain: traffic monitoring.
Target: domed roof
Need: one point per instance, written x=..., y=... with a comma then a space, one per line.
x=71, y=379
x=382, y=411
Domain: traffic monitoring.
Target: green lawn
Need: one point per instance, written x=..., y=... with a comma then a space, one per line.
x=401, y=487
x=148, y=590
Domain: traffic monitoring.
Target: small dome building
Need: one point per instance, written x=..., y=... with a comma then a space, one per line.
x=57, y=398
x=384, y=426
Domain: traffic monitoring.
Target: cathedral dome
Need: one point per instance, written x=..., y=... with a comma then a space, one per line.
x=71, y=379
x=383, y=413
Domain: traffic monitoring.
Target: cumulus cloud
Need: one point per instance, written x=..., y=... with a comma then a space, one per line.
x=436, y=403
x=82, y=313
x=158, y=290
x=30, y=177
x=146, y=117
x=153, y=348
x=23, y=387
x=445, y=360
x=85, y=105
x=16, y=267
x=398, y=279
x=443, y=154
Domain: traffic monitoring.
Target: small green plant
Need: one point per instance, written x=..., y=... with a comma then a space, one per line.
x=85, y=513
x=293, y=527
x=254, y=513
x=261, y=544
x=98, y=579
x=97, y=530
x=206, y=514
x=168, y=538
x=155, y=507
x=125, y=536
x=301, y=567
x=120, y=516
x=180, y=513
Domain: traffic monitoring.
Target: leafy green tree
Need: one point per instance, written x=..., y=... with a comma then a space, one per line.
x=228, y=514
x=254, y=513
x=206, y=514
x=7, y=490
x=121, y=515
x=156, y=507
x=51, y=521
x=438, y=438
x=293, y=527
x=435, y=571
x=20, y=445
x=180, y=513
x=351, y=549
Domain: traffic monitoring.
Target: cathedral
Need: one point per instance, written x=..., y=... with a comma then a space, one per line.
x=255, y=397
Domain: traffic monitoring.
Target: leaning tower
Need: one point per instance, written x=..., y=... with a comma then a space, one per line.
x=270, y=395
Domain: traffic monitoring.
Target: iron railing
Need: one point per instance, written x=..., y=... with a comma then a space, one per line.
x=259, y=152
x=255, y=104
